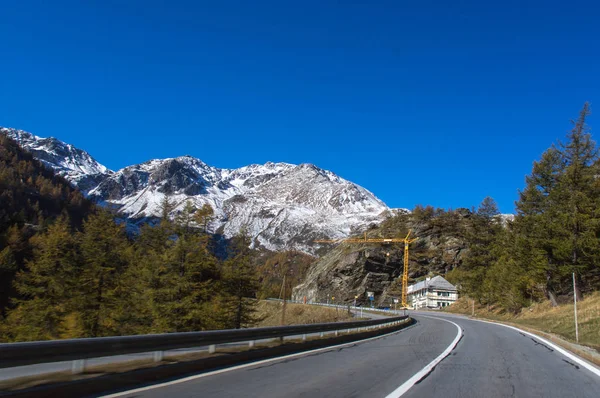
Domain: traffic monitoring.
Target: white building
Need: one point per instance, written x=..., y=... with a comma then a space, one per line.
x=434, y=292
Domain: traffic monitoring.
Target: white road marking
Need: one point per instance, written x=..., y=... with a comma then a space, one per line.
x=215, y=372
x=398, y=392
x=566, y=353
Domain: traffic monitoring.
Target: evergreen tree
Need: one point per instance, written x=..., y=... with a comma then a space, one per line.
x=481, y=234
x=45, y=286
x=507, y=282
x=240, y=286
x=180, y=273
x=557, y=214
x=99, y=291
x=204, y=216
x=488, y=209
x=537, y=220
x=133, y=313
x=166, y=207
x=185, y=219
x=14, y=250
x=184, y=286
x=579, y=194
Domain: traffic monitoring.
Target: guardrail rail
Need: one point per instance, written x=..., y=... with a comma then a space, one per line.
x=78, y=350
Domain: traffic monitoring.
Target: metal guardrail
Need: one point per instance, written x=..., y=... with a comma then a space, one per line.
x=358, y=308
x=344, y=306
x=77, y=350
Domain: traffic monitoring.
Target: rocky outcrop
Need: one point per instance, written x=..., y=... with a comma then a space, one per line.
x=350, y=270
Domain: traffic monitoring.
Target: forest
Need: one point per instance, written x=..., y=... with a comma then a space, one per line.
x=68, y=269
x=555, y=232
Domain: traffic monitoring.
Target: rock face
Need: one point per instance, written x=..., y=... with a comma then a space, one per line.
x=351, y=270
x=282, y=206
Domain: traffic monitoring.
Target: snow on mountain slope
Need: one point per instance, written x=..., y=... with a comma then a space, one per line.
x=76, y=165
x=281, y=205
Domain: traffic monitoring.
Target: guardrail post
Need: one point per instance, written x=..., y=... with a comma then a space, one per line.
x=77, y=366
x=158, y=356
x=322, y=334
x=251, y=343
x=212, y=348
x=336, y=333
x=304, y=337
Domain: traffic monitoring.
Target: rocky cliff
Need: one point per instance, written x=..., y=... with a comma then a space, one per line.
x=350, y=270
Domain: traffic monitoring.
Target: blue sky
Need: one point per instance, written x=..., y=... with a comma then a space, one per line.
x=430, y=102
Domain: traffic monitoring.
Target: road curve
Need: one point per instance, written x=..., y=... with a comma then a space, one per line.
x=489, y=361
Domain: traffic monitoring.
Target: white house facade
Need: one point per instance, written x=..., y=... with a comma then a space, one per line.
x=434, y=292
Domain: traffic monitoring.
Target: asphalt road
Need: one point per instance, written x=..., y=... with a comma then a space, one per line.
x=489, y=361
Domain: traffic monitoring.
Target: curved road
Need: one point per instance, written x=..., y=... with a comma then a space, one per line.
x=489, y=361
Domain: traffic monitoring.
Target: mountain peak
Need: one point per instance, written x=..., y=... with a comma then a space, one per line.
x=64, y=158
x=280, y=204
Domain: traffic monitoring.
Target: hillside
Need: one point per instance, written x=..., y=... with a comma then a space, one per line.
x=548, y=249
x=353, y=269
x=31, y=197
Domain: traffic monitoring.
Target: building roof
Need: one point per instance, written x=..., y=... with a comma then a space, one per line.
x=437, y=282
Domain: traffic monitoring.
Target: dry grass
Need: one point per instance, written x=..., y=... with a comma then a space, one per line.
x=298, y=314
x=545, y=318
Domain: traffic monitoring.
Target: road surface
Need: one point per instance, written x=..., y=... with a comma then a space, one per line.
x=488, y=361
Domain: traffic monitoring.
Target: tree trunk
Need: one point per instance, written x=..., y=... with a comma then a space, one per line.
x=97, y=306
x=552, y=297
x=550, y=292
x=238, y=315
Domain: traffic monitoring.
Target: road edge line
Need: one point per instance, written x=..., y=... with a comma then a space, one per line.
x=246, y=365
x=407, y=385
x=592, y=368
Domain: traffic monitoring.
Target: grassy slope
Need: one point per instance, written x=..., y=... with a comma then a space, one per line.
x=543, y=317
x=297, y=314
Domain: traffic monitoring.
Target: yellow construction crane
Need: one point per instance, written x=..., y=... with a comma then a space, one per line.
x=407, y=241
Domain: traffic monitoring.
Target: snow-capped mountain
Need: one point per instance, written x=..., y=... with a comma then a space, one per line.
x=281, y=205
x=76, y=165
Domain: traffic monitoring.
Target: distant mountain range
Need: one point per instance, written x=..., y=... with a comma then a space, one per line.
x=281, y=205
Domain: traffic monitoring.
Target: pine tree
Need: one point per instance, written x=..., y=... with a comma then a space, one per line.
x=180, y=273
x=482, y=231
x=99, y=293
x=579, y=195
x=240, y=286
x=185, y=286
x=507, y=282
x=488, y=209
x=133, y=313
x=185, y=219
x=204, y=216
x=166, y=207
x=558, y=215
x=537, y=220
x=45, y=286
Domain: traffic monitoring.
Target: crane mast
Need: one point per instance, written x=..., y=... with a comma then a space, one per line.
x=407, y=242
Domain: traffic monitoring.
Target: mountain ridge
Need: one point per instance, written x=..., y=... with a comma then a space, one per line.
x=281, y=205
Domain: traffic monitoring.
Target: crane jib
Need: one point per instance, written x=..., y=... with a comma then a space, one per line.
x=406, y=242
